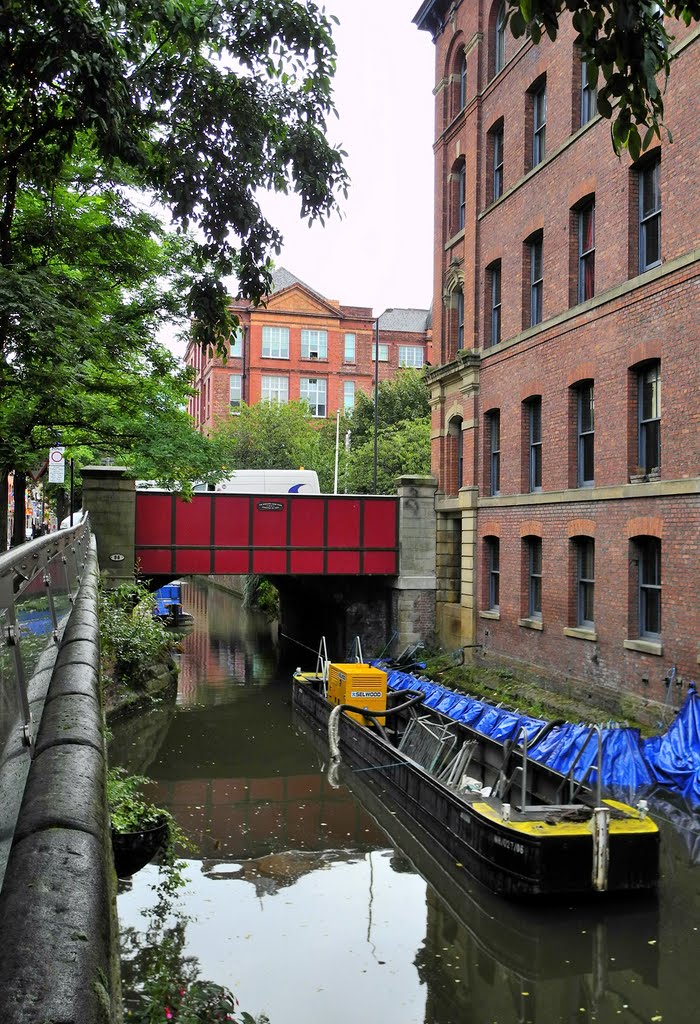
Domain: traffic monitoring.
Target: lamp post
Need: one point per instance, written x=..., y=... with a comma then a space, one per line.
x=376, y=396
x=376, y=401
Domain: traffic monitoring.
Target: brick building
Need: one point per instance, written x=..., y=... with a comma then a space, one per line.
x=300, y=345
x=565, y=293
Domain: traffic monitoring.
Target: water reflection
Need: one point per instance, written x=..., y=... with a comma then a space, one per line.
x=300, y=902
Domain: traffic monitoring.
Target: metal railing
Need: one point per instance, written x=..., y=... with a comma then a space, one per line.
x=38, y=584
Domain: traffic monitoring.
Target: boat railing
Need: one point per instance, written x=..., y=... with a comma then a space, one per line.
x=322, y=665
x=575, y=786
x=356, y=653
x=505, y=782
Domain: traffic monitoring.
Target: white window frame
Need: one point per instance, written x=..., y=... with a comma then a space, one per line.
x=383, y=352
x=314, y=391
x=314, y=344
x=236, y=343
x=275, y=342
x=411, y=355
x=274, y=389
x=349, y=351
x=348, y=395
x=235, y=391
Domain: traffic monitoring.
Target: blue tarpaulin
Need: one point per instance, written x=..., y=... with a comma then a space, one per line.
x=630, y=765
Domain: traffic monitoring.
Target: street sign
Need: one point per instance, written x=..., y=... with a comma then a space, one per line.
x=57, y=465
x=37, y=473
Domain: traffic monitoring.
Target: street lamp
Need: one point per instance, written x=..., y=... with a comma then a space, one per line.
x=376, y=395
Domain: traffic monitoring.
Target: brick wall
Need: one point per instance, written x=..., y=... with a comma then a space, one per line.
x=631, y=320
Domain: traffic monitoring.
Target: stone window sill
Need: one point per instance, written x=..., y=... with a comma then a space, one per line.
x=579, y=633
x=491, y=613
x=644, y=646
x=530, y=623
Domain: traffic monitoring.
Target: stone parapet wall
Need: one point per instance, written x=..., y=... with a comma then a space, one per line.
x=59, y=959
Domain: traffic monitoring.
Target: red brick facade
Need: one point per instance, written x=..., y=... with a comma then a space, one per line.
x=302, y=345
x=566, y=324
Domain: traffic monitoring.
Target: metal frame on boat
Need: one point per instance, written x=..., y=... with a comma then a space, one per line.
x=499, y=814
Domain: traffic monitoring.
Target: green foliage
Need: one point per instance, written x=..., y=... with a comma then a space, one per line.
x=403, y=435
x=627, y=49
x=203, y=102
x=268, y=436
x=131, y=639
x=259, y=593
x=131, y=811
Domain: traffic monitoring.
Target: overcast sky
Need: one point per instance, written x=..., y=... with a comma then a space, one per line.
x=380, y=253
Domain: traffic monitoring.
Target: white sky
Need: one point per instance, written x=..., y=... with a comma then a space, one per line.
x=380, y=253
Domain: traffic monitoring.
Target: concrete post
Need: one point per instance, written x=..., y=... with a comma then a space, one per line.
x=414, y=588
x=110, y=498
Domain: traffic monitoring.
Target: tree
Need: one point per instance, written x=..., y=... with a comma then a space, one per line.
x=625, y=42
x=92, y=278
x=403, y=435
x=203, y=101
x=194, y=104
x=268, y=435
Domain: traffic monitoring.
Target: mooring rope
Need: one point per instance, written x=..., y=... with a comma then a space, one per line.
x=333, y=731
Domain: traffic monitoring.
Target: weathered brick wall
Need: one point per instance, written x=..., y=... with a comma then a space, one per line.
x=631, y=319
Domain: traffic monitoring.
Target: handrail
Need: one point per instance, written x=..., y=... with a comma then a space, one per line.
x=65, y=551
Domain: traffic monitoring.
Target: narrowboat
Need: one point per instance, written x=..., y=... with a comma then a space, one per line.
x=522, y=829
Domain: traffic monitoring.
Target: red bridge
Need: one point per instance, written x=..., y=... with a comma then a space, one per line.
x=296, y=534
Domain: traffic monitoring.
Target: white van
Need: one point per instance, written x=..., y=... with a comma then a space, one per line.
x=266, y=481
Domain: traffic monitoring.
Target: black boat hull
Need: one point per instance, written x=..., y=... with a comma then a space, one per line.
x=513, y=864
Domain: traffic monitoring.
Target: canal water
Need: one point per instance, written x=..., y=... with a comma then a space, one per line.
x=314, y=905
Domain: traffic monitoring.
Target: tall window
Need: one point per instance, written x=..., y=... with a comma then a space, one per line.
x=494, y=274
x=584, y=435
x=348, y=395
x=460, y=320
x=411, y=355
x=236, y=342
x=534, y=573
x=585, y=581
x=275, y=389
x=493, y=562
x=313, y=391
x=539, y=124
x=349, y=351
x=534, y=416
x=536, y=279
x=494, y=430
x=462, y=82
x=586, y=251
x=461, y=196
x=460, y=456
x=649, y=408
x=649, y=552
x=589, y=97
x=314, y=344
x=235, y=391
x=497, y=142
x=275, y=342
x=650, y=215
x=500, y=40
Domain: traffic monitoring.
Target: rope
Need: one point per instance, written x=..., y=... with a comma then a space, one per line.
x=306, y=647
x=333, y=730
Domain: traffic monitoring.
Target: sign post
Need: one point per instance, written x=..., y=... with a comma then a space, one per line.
x=57, y=465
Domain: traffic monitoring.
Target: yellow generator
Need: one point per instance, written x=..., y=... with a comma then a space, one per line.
x=360, y=685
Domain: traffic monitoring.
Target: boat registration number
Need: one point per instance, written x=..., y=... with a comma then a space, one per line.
x=365, y=694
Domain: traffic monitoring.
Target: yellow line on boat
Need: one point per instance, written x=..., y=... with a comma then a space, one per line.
x=633, y=823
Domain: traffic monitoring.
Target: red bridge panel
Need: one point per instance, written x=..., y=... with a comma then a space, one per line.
x=267, y=534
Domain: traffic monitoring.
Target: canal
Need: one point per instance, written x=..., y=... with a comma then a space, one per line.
x=315, y=905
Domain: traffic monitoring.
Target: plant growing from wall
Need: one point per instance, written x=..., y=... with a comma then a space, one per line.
x=131, y=639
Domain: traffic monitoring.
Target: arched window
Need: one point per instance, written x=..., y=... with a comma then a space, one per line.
x=499, y=40
x=462, y=81
x=456, y=459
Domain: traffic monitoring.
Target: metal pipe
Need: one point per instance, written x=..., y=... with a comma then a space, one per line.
x=523, y=781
